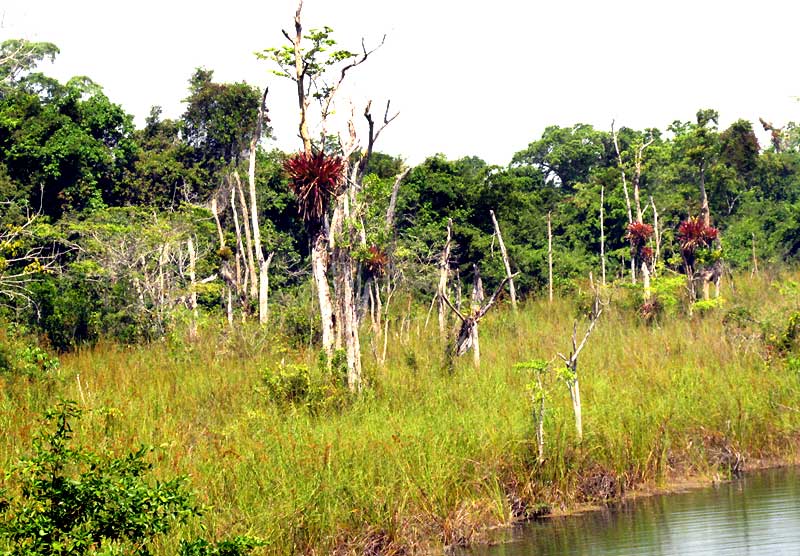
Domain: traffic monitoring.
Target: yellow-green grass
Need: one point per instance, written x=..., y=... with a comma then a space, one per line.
x=428, y=455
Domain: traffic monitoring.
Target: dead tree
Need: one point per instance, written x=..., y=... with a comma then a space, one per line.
x=570, y=372
x=444, y=272
x=467, y=337
x=309, y=60
x=511, y=290
x=549, y=258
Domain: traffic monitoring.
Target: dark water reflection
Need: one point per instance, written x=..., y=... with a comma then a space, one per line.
x=758, y=515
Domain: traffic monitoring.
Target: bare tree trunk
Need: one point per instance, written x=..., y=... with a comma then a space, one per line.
x=393, y=199
x=193, y=288
x=646, y=280
x=704, y=210
x=602, y=234
x=319, y=270
x=549, y=258
x=575, y=395
x=477, y=302
x=251, y=262
x=263, y=290
x=657, y=254
x=755, y=260
x=503, y=252
x=444, y=270
x=251, y=180
x=622, y=170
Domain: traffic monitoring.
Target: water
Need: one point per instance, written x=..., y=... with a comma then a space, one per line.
x=755, y=515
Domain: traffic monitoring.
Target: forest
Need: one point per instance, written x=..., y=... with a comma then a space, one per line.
x=244, y=308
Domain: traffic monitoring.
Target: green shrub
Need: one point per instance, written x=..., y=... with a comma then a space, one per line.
x=74, y=502
x=296, y=386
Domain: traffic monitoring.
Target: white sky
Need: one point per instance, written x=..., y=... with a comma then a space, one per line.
x=469, y=78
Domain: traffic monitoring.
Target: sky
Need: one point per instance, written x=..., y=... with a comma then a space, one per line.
x=467, y=78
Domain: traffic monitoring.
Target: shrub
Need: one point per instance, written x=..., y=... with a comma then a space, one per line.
x=296, y=386
x=74, y=502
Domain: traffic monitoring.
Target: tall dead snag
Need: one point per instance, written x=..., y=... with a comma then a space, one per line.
x=602, y=234
x=263, y=263
x=504, y=253
x=193, y=288
x=570, y=372
x=230, y=282
x=444, y=272
x=467, y=337
x=549, y=258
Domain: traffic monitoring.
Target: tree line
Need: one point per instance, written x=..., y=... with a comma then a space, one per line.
x=112, y=230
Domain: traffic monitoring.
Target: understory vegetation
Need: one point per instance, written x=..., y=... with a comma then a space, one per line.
x=277, y=448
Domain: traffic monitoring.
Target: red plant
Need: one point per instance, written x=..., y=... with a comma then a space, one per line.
x=693, y=234
x=638, y=233
x=646, y=253
x=376, y=260
x=314, y=179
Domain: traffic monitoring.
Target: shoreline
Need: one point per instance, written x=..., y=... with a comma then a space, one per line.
x=503, y=533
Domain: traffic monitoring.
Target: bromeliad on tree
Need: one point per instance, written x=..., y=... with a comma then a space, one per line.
x=315, y=179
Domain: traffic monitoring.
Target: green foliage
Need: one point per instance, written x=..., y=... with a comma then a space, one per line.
x=73, y=502
x=704, y=306
x=296, y=386
x=20, y=355
x=237, y=546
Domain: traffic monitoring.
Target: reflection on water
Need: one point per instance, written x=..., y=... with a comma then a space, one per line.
x=758, y=515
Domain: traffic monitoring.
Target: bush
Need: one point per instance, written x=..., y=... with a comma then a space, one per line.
x=71, y=502
x=296, y=386
x=20, y=355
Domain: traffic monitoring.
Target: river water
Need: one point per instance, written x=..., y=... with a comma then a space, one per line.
x=755, y=515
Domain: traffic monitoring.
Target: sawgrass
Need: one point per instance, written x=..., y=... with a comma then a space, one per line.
x=430, y=454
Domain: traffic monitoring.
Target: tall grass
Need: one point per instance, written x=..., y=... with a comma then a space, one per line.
x=430, y=454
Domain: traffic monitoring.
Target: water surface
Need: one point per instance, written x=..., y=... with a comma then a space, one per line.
x=758, y=514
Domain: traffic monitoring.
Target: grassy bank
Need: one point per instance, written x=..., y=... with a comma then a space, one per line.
x=429, y=455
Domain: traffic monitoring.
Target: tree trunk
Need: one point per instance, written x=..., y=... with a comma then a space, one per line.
x=319, y=271
x=549, y=258
x=646, y=281
x=575, y=394
x=444, y=270
x=503, y=252
x=193, y=288
x=704, y=210
x=251, y=263
x=263, y=290
x=602, y=234
x=657, y=235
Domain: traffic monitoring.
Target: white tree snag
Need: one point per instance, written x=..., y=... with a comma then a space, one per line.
x=263, y=265
x=571, y=372
x=512, y=291
x=193, y=288
x=622, y=171
x=251, y=256
x=755, y=260
x=477, y=301
x=390, y=212
x=602, y=234
x=467, y=333
x=657, y=236
x=300, y=79
x=444, y=271
x=319, y=271
x=646, y=281
x=549, y=258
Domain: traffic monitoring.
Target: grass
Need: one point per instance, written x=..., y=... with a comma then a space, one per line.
x=428, y=455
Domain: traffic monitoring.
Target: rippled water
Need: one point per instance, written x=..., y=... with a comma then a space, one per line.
x=758, y=515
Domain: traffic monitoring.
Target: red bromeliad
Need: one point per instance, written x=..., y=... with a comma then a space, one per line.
x=693, y=234
x=638, y=234
x=376, y=261
x=315, y=179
